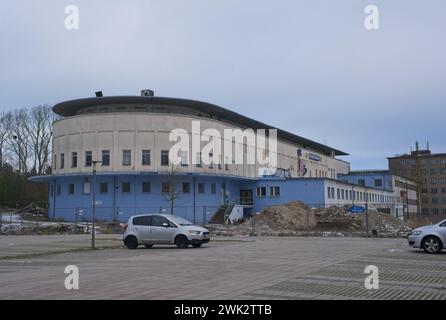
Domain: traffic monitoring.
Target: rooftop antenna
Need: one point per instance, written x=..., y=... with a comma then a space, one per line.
x=427, y=145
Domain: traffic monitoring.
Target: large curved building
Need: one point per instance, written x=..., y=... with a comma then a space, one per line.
x=129, y=135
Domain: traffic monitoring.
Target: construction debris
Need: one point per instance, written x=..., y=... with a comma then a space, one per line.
x=296, y=218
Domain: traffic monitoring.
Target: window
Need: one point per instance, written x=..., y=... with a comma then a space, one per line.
x=261, y=191
x=424, y=200
x=433, y=171
x=211, y=159
x=73, y=159
x=274, y=191
x=361, y=182
x=198, y=159
x=423, y=190
x=105, y=158
x=58, y=189
x=338, y=193
x=145, y=161
x=126, y=187
x=434, y=180
x=434, y=200
x=126, y=157
x=71, y=188
x=62, y=160
x=164, y=158
x=213, y=188
x=157, y=221
x=88, y=158
x=103, y=187
x=165, y=187
x=434, y=190
x=186, y=187
x=145, y=187
x=342, y=194
x=201, y=188
x=142, y=221
x=378, y=182
x=184, y=158
x=86, y=186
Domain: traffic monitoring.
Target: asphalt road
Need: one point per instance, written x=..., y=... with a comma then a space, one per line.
x=32, y=267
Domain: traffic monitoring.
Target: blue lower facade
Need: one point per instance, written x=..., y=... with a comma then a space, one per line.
x=196, y=197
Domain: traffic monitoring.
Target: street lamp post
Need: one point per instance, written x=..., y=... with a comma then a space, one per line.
x=93, y=231
x=366, y=216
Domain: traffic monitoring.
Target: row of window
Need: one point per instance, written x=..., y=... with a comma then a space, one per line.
x=274, y=191
x=433, y=190
x=433, y=171
x=435, y=211
x=377, y=182
x=146, y=187
x=434, y=200
x=423, y=161
x=344, y=194
x=127, y=159
x=434, y=180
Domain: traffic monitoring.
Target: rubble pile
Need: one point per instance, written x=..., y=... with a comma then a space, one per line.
x=44, y=228
x=296, y=218
x=336, y=219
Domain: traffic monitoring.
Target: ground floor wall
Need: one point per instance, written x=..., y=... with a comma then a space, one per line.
x=195, y=197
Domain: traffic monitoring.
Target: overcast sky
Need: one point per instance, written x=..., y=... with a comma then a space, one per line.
x=309, y=67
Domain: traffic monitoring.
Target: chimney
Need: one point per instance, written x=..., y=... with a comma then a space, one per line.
x=147, y=93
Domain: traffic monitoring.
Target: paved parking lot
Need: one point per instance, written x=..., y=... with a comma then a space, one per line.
x=32, y=267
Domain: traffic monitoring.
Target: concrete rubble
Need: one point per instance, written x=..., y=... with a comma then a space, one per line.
x=297, y=219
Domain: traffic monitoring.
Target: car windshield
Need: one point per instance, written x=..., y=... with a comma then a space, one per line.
x=180, y=221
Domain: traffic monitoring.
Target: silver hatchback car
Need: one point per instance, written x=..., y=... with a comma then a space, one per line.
x=431, y=238
x=150, y=229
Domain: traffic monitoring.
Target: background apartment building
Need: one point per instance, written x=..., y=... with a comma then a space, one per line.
x=428, y=170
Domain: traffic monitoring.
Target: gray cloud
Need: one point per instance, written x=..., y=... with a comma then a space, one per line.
x=306, y=66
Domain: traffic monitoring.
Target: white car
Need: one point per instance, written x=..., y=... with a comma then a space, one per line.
x=150, y=229
x=431, y=238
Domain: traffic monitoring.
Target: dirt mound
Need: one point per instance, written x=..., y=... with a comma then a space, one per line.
x=385, y=224
x=287, y=218
x=296, y=218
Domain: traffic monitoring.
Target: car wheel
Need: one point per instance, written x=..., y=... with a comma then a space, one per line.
x=182, y=242
x=432, y=245
x=131, y=242
x=148, y=246
x=196, y=245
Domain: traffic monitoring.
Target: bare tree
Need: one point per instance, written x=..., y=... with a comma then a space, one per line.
x=17, y=138
x=3, y=143
x=171, y=191
x=39, y=129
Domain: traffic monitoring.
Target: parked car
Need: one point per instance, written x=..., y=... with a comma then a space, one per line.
x=431, y=238
x=151, y=229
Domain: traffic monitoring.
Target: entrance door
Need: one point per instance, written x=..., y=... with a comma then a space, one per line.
x=246, y=197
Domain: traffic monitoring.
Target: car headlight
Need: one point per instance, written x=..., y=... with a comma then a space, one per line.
x=415, y=232
x=194, y=231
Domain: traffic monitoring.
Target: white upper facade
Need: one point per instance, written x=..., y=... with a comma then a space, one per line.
x=130, y=137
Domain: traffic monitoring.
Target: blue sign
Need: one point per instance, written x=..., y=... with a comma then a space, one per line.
x=314, y=157
x=356, y=209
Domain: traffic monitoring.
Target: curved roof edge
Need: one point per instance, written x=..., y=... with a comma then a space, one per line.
x=71, y=107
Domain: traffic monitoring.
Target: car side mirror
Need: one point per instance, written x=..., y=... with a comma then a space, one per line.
x=165, y=224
